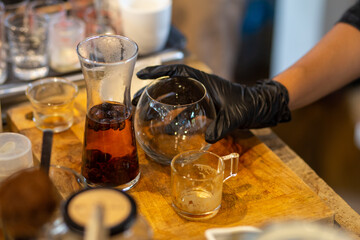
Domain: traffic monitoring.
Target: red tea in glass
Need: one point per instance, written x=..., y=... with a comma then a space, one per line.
x=109, y=154
x=109, y=151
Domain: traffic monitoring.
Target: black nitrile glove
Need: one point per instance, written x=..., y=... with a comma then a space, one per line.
x=238, y=106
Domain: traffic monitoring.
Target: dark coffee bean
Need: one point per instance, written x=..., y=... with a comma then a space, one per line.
x=94, y=175
x=106, y=106
x=121, y=125
x=114, y=124
x=94, y=156
x=104, y=124
x=119, y=108
x=97, y=114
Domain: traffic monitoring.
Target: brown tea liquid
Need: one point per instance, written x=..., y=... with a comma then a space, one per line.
x=109, y=154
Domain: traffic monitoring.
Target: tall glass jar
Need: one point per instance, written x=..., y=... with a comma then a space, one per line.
x=109, y=151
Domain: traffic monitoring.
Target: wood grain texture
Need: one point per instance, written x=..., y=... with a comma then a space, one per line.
x=265, y=189
x=345, y=216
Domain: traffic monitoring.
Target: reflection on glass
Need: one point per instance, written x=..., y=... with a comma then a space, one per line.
x=172, y=116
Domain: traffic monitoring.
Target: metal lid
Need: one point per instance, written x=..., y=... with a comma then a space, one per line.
x=119, y=209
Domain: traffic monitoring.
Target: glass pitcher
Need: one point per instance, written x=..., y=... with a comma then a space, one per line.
x=109, y=150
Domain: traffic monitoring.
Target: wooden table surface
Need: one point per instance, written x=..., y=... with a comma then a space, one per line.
x=313, y=200
x=345, y=216
x=264, y=190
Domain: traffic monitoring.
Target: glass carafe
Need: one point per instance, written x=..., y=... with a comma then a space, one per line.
x=109, y=151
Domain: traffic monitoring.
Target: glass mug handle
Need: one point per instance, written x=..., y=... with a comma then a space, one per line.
x=234, y=164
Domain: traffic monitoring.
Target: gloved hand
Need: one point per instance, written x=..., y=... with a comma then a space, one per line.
x=238, y=106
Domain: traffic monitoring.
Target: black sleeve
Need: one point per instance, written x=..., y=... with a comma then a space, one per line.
x=352, y=15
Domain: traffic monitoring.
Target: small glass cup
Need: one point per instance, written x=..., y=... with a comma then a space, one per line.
x=15, y=154
x=53, y=102
x=197, y=178
x=28, y=39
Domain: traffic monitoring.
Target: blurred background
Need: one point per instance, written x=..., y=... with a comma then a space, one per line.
x=260, y=38
x=246, y=40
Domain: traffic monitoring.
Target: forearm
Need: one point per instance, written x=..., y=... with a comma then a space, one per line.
x=331, y=64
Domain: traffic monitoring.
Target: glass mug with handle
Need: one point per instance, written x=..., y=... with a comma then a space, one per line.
x=197, y=178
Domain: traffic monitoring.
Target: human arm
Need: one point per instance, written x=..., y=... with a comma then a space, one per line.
x=331, y=64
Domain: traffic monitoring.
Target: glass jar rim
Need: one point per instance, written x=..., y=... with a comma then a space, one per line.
x=7, y=23
x=165, y=78
x=51, y=80
x=189, y=152
x=87, y=60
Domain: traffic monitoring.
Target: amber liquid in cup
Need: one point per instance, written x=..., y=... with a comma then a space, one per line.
x=52, y=100
x=109, y=155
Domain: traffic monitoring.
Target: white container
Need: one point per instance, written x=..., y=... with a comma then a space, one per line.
x=303, y=230
x=147, y=22
x=15, y=154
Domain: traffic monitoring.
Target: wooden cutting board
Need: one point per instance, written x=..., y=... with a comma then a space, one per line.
x=264, y=190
